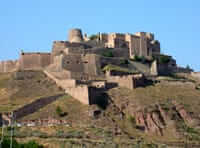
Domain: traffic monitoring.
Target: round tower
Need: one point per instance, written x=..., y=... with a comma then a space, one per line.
x=75, y=36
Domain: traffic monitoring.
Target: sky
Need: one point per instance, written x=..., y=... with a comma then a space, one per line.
x=32, y=25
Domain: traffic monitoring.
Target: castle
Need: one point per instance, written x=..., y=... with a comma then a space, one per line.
x=83, y=65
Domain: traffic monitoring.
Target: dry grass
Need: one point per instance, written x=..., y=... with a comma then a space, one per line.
x=17, y=93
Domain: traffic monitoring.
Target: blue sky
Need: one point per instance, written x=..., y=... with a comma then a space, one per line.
x=32, y=25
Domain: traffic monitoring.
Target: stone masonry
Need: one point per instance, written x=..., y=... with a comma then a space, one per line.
x=77, y=65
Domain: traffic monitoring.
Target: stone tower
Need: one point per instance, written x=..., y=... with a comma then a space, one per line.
x=75, y=36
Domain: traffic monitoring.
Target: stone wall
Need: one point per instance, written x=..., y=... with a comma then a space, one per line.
x=122, y=81
x=139, y=44
x=129, y=81
x=75, y=36
x=98, y=84
x=60, y=46
x=154, y=68
x=34, y=61
x=196, y=74
x=117, y=52
x=81, y=65
x=8, y=66
x=79, y=92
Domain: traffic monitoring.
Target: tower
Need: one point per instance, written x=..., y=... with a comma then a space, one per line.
x=75, y=36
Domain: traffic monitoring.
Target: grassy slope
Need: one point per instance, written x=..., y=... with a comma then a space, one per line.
x=77, y=114
x=17, y=93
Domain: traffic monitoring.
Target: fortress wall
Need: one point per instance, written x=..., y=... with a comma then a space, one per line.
x=104, y=37
x=98, y=84
x=117, y=52
x=60, y=46
x=75, y=35
x=196, y=74
x=155, y=46
x=80, y=92
x=91, y=64
x=8, y=66
x=45, y=59
x=73, y=62
x=122, y=81
x=130, y=81
x=81, y=65
x=114, y=61
x=134, y=45
x=30, y=61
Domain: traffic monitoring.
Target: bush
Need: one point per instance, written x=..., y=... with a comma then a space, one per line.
x=140, y=59
x=164, y=59
x=108, y=54
x=30, y=144
x=93, y=37
x=124, y=62
x=59, y=111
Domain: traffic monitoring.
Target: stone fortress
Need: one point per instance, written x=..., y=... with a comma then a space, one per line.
x=83, y=66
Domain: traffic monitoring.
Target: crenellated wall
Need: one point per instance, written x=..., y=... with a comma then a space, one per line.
x=8, y=66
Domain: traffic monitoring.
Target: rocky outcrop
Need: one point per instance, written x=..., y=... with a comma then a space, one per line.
x=156, y=120
x=150, y=122
x=183, y=113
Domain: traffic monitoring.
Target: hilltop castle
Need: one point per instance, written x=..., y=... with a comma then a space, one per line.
x=82, y=65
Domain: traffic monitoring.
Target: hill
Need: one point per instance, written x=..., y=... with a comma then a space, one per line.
x=118, y=123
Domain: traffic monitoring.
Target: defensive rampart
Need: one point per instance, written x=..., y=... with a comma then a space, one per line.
x=130, y=81
x=196, y=74
x=8, y=66
x=34, y=61
x=79, y=92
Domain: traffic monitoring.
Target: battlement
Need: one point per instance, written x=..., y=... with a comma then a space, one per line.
x=8, y=66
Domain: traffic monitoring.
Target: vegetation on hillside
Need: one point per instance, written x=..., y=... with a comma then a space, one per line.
x=31, y=144
x=108, y=54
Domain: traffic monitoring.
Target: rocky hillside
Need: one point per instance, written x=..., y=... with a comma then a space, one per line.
x=165, y=112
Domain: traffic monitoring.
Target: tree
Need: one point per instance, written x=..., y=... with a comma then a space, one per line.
x=188, y=67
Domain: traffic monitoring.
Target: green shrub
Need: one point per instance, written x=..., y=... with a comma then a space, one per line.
x=137, y=58
x=164, y=59
x=108, y=54
x=59, y=111
x=197, y=87
x=140, y=59
x=93, y=37
x=124, y=62
x=132, y=120
x=15, y=144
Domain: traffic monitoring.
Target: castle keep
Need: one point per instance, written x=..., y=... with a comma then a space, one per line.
x=84, y=66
